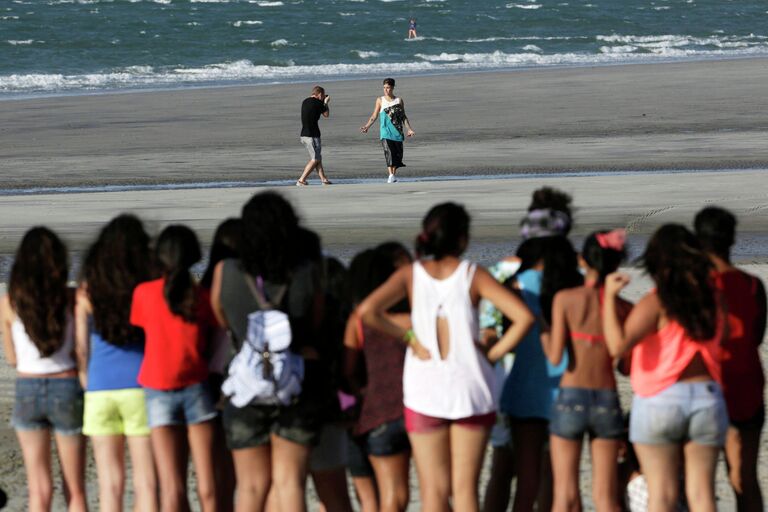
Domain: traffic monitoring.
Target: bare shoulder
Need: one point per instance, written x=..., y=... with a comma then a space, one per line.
x=6, y=311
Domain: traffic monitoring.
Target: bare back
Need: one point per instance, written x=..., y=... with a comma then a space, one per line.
x=590, y=364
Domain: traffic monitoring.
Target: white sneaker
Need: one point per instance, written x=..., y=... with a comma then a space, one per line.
x=391, y=179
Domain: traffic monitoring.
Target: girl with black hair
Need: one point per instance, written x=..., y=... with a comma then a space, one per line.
x=549, y=214
x=675, y=333
x=587, y=401
x=380, y=427
x=176, y=316
x=110, y=352
x=448, y=377
x=743, y=378
x=38, y=338
x=271, y=443
x=548, y=264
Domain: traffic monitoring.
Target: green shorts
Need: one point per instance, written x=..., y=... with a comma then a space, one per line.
x=115, y=412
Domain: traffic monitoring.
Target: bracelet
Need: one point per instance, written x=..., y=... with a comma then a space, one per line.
x=409, y=337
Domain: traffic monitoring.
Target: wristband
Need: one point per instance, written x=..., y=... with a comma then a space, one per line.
x=409, y=337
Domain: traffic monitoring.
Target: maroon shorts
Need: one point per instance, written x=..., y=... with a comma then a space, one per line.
x=417, y=423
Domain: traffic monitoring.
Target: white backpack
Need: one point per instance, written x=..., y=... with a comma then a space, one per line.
x=265, y=371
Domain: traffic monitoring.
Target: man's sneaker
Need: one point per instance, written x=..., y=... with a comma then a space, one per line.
x=391, y=179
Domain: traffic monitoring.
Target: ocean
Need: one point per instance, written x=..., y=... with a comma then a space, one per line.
x=52, y=47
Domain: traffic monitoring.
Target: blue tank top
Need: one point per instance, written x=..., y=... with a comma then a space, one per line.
x=112, y=367
x=532, y=383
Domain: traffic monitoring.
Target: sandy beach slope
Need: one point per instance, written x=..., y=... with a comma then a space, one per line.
x=694, y=115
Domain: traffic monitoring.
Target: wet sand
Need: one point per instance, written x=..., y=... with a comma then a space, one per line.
x=696, y=115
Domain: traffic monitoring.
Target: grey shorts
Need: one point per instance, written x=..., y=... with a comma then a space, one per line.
x=314, y=147
x=685, y=411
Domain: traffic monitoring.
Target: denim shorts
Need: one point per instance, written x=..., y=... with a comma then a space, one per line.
x=253, y=425
x=43, y=403
x=389, y=438
x=685, y=411
x=185, y=406
x=579, y=411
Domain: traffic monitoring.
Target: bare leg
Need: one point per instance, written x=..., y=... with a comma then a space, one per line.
x=331, y=487
x=36, y=451
x=289, y=473
x=605, y=478
x=467, y=450
x=660, y=464
x=502, y=471
x=72, y=457
x=321, y=173
x=528, y=438
x=741, y=448
x=201, y=445
x=225, y=470
x=365, y=488
x=253, y=468
x=307, y=171
x=432, y=454
x=144, y=474
x=392, y=480
x=109, y=454
x=169, y=444
x=566, y=454
x=700, y=464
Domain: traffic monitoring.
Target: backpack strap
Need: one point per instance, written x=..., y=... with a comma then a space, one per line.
x=257, y=290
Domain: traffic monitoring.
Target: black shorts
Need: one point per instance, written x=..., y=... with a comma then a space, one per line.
x=393, y=152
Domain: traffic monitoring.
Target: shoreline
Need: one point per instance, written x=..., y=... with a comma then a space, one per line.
x=691, y=115
x=301, y=79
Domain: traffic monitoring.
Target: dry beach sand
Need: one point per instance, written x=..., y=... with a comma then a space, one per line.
x=622, y=119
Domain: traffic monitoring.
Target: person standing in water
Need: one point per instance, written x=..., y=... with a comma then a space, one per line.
x=311, y=110
x=390, y=110
x=412, y=29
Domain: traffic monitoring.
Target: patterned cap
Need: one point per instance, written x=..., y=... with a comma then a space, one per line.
x=544, y=222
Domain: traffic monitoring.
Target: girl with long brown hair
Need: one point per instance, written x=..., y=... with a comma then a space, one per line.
x=38, y=338
x=675, y=334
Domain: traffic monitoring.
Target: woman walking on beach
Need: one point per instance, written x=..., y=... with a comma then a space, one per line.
x=587, y=401
x=390, y=110
x=110, y=352
x=271, y=443
x=38, y=339
x=675, y=334
x=177, y=320
x=380, y=427
x=743, y=379
x=448, y=388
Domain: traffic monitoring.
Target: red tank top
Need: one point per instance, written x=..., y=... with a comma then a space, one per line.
x=743, y=379
x=660, y=358
x=384, y=359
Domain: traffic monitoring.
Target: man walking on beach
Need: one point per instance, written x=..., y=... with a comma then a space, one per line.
x=311, y=110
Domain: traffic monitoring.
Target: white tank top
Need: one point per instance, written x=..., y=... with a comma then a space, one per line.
x=385, y=103
x=462, y=384
x=28, y=359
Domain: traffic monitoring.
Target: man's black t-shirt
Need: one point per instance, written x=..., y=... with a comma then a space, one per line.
x=311, y=110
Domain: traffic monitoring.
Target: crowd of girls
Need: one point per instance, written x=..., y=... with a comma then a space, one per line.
x=424, y=358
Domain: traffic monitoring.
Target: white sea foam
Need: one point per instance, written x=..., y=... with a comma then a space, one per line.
x=240, y=23
x=523, y=6
x=264, y=3
x=531, y=48
x=366, y=55
x=347, y=13
x=325, y=22
x=244, y=70
x=279, y=42
x=251, y=41
x=20, y=42
x=9, y=17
